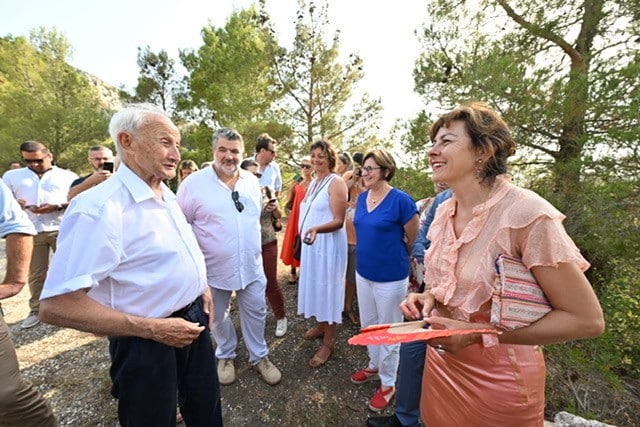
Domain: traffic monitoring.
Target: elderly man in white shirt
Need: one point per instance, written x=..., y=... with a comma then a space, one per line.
x=128, y=266
x=223, y=205
x=41, y=189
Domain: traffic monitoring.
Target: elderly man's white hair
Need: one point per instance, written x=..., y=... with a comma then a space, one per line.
x=129, y=119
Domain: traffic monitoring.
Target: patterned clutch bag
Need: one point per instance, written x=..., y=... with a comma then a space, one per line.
x=517, y=299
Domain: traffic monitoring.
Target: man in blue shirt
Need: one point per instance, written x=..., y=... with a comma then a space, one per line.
x=412, y=354
x=20, y=402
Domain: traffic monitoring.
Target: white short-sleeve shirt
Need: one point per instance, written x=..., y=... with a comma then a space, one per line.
x=52, y=188
x=133, y=249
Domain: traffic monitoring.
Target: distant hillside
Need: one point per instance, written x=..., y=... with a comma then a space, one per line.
x=109, y=95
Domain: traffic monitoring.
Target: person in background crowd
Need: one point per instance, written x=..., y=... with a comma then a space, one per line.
x=489, y=379
x=98, y=155
x=269, y=214
x=352, y=177
x=416, y=260
x=412, y=354
x=41, y=189
x=294, y=198
x=21, y=404
x=186, y=168
x=357, y=159
x=269, y=169
x=386, y=223
x=324, y=251
x=141, y=281
x=425, y=204
x=14, y=165
x=223, y=205
x=344, y=163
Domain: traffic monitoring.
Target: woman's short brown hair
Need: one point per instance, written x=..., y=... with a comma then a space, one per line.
x=489, y=134
x=385, y=160
x=327, y=148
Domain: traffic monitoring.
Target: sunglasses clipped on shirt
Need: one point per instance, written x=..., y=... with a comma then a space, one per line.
x=235, y=197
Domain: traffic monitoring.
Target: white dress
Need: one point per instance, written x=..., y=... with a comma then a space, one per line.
x=323, y=264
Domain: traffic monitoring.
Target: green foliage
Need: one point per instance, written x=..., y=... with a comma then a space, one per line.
x=415, y=183
x=603, y=220
x=230, y=78
x=158, y=81
x=563, y=74
x=621, y=304
x=43, y=98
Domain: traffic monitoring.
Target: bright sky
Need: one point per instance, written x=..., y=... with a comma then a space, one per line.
x=105, y=35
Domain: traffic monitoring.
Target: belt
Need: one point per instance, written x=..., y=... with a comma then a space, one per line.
x=184, y=310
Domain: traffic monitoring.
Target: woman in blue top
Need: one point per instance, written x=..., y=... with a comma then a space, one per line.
x=386, y=223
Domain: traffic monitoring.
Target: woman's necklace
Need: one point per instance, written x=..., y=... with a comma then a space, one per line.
x=375, y=199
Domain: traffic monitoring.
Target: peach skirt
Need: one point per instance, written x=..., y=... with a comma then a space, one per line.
x=478, y=387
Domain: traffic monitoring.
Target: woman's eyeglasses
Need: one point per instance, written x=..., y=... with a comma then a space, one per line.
x=368, y=169
x=235, y=197
x=303, y=166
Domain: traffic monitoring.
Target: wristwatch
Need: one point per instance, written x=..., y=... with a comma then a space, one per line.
x=59, y=207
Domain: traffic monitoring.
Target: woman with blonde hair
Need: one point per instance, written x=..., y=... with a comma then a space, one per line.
x=186, y=168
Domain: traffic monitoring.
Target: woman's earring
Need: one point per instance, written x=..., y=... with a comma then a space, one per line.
x=479, y=169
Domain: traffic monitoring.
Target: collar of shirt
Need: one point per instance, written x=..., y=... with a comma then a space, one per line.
x=139, y=189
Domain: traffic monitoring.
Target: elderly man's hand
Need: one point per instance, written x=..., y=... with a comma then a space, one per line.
x=175, y=331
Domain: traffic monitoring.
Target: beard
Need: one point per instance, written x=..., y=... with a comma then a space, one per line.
x=228, y=168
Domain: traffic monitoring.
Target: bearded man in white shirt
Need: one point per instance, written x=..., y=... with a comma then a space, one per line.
x=128, y=266
x=223, y=205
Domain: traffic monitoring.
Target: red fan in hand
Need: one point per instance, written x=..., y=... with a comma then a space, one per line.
x=395, y=333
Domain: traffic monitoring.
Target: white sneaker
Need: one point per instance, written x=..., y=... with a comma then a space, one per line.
x=226, y=371
x=31, y=320
x=281, y=327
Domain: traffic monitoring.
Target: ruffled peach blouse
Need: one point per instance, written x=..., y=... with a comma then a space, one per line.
x=460, y=271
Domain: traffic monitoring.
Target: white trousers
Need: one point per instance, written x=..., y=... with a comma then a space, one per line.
x=379, y=302
x=253, y=313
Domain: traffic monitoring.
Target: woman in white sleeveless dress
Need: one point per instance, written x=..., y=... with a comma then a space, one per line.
x=323, y=259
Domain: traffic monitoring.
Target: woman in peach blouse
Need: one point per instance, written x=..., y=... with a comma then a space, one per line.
x=488, y=379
